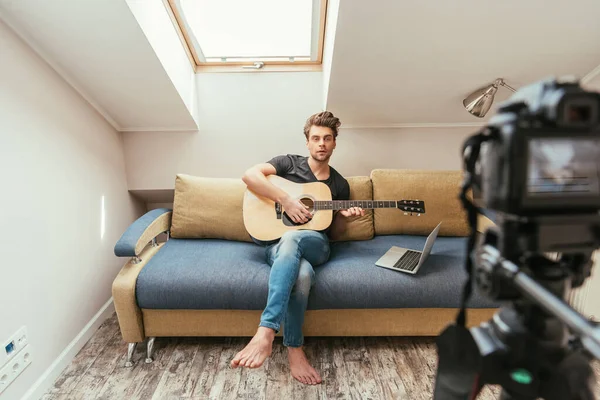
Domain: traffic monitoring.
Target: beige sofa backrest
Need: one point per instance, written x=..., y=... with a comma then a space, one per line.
x=208, y=208
x=438, y=189
x=212, y=207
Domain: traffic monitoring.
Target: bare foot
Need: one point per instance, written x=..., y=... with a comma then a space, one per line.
x=256, y=352
x=301, y=369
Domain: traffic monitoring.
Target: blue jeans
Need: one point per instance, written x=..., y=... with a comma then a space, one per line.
x=292, y=260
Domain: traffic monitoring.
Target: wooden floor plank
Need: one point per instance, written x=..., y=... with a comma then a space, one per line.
x=198, y=368
x=227, y=380
x=204, y=368
x=362, y=383
x=73, y=373
x=330, y=366
x=382, y=362
x=56, y=396
x=411, y=369
x=115, y=386
x=279, y=381
x=147, y=379
x=177, y=371
x=100, y=370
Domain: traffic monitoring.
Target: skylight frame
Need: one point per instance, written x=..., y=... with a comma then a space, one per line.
x=268, y=63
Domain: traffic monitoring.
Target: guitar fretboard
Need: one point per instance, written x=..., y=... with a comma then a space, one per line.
x=345, y=204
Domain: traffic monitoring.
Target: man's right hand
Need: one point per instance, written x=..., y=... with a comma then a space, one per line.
x=297, y=211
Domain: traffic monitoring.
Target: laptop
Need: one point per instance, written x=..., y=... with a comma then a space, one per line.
x=407, y=260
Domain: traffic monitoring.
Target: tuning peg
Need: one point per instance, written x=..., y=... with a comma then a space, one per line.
x=405, y=213
x=418, y=215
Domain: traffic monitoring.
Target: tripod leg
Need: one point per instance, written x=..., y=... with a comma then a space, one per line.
x=504, y=395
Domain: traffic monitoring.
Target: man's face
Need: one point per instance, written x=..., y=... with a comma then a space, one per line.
x=320, y=143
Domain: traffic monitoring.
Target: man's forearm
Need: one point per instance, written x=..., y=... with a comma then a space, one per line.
x=259, y=184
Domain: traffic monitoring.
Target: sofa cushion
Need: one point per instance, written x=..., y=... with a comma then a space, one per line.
x=351, y=280
x=358, y=227
x=220, y=274
x=208, y=208
x=438, y=189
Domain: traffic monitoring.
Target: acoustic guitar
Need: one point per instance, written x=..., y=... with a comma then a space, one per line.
x=267, y=220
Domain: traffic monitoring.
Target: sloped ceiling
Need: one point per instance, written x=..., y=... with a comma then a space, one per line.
x=100, y=49
x=404, y=63
x=394, y=64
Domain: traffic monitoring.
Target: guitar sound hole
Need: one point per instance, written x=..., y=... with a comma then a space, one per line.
x=307, y=201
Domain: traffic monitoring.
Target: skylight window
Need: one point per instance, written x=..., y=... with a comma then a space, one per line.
x=252, y=33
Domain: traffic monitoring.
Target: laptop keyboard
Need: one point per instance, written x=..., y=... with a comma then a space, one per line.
x=408, y=261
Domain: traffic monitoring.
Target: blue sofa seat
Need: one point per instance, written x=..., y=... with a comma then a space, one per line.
x=203, y=274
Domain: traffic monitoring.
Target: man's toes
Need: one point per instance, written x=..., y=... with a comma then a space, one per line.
x=315, y=376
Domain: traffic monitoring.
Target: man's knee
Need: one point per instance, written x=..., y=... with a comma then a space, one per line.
x=304, y=243
x=297, y=234
x=306, y=277
x=302, y=234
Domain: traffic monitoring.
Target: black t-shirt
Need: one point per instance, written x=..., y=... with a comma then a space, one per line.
x=295, y=168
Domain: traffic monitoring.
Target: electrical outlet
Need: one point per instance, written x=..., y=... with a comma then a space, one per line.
x=14, y=368
x=13, y=345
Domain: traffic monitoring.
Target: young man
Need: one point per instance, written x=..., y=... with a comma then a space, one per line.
x=293, y=257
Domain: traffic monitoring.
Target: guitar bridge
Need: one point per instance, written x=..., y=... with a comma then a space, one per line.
x=278, y=210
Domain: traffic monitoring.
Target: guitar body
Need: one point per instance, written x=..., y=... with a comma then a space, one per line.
x=261, y=217
x=266, y=220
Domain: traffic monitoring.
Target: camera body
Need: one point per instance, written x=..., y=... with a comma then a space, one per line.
x=544, y=154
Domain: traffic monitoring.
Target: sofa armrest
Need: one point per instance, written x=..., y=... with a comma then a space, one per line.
x=129, y=314
x=142, y=231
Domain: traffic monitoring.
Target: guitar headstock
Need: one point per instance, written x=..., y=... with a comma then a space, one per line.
x=411, y=207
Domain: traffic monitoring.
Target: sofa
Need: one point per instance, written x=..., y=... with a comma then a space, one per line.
x=208, y=278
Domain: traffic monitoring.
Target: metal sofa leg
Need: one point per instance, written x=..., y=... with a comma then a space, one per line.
x=150, y=349
x=130, y=350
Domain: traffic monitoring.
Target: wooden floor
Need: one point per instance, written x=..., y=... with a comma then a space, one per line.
x=198, y=368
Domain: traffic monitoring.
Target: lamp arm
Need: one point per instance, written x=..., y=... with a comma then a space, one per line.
x=501, y=82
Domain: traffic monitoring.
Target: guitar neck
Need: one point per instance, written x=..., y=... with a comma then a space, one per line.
x=345, y=204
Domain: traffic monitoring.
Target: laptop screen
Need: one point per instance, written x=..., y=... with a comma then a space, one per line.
x=429, y=243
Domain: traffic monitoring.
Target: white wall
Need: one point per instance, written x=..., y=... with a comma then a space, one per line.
x=244, y=119
x=359, y=151
x=156, y=24
x=59, y=158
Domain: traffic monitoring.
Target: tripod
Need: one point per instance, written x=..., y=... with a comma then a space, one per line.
x=524, y=348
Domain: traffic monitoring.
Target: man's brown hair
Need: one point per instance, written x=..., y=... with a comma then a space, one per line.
x=325, y=119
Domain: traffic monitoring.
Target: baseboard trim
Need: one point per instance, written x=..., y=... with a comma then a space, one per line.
x=41, y=386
